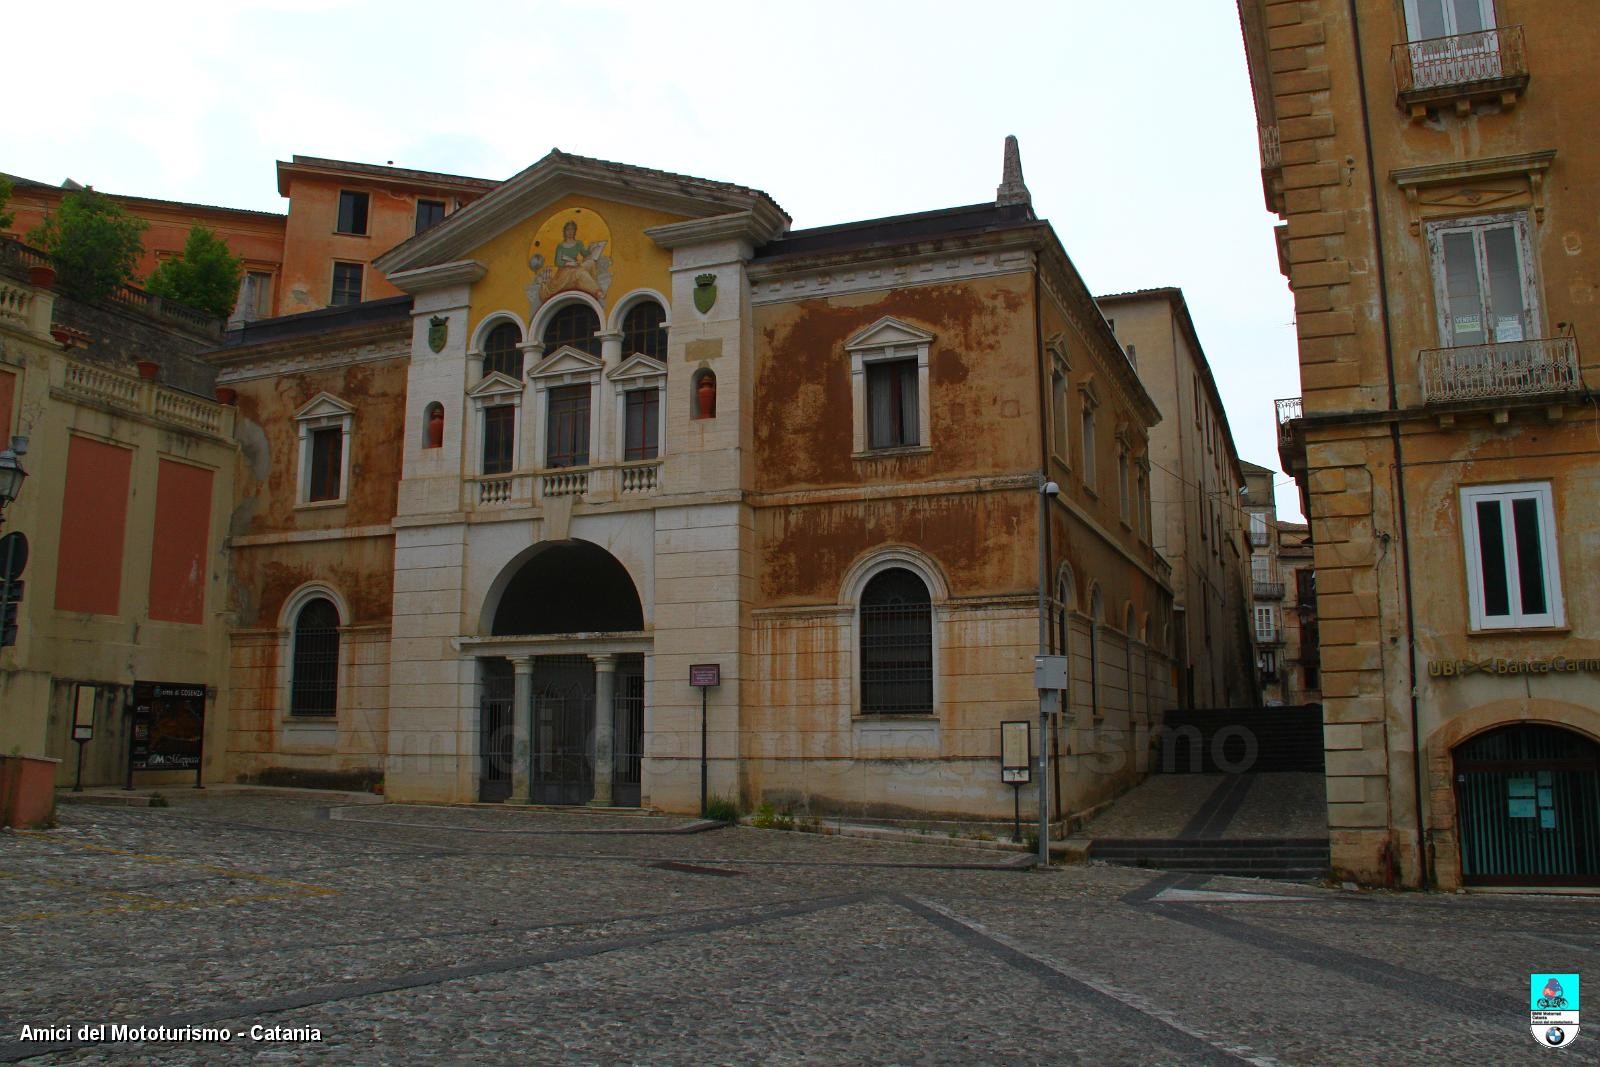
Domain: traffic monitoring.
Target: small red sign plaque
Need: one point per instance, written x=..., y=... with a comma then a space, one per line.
x=705, y=674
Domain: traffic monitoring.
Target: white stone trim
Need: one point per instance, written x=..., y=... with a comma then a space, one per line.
x=496, y=390
x=862, y=571
x=919, y=270
x=884, y=341
x=625, y=304
x=548, y=309
x=566, y=366
x=323, y=411
x=293, y=604
x=638, y=372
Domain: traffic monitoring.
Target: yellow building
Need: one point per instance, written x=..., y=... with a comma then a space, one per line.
x=1434, y=165
x=124, y=512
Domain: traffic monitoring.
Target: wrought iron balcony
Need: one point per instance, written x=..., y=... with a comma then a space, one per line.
x=1290, y=410
x=1268, y=635
x=1541, y=367
x=1488, y=64
x=1265, y=590
x=1271, y=148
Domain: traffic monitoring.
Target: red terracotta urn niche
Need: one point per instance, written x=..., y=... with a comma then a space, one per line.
x=705, y=395
x=149, y=369
x=433, y=425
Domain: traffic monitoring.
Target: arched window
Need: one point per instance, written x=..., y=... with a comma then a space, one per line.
x=1066, y=599
x=500, y=351
x=896, y=645
x=575, y=325
x=315, y=685
x=643, y=330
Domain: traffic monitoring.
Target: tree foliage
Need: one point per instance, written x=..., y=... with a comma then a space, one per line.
x=206, y=276
x=94, y=244
x=6, y=189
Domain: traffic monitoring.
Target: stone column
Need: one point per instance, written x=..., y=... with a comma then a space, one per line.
x=605, y=688
x=522, y=731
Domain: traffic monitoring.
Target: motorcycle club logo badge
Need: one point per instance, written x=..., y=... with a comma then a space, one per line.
x=1553, y=1009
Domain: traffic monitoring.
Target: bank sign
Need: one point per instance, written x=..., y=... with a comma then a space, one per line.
x=1460, y=668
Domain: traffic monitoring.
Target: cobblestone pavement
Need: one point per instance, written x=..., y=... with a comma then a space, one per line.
x=408, y=935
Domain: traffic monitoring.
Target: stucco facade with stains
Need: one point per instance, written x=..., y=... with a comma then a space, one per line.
x=633, y=422
x=1434, y=168
x=286, y=548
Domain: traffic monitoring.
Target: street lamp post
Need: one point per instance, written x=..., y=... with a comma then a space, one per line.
x=11, y=473
x=1047, y=492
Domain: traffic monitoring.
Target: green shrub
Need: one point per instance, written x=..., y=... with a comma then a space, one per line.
x=722, y=809
x=93, y=244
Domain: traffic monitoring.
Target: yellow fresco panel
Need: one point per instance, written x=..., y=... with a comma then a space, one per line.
x=577, y=244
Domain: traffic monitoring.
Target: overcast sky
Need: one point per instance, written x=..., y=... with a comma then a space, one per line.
x=1137, y=130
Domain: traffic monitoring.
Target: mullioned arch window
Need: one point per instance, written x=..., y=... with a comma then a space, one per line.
x=896, y=652
x=502, y=351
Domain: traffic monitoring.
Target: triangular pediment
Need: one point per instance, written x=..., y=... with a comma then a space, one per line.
x=495, y=383
x=324, y=406
x=566, y=360
x=638, y=365
x=889, y=331
x=560, y=174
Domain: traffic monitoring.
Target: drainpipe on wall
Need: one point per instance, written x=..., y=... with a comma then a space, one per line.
x=1417, y=768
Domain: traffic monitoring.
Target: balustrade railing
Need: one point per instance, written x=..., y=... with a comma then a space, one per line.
x=15, y=302
x=112, y=388
x=1267, y=590
x=1537, y=367
x=564, y=483
x=494, y=491
x=640, y=479
x=1290, y=410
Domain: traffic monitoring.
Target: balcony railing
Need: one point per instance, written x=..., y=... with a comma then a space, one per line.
x=1271, y=148
x=528, y=488
x=1541, y=367
x=1268, y=635
x=1487, y=63
x=1290, y=410
x=1265, y=590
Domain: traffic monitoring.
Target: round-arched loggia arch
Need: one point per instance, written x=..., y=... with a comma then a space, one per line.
x=568, y=587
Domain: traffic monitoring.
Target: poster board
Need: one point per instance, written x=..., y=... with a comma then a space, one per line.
x=168, y=726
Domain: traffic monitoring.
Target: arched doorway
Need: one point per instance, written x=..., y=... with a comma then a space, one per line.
x=584, y=698
x=1528, y=799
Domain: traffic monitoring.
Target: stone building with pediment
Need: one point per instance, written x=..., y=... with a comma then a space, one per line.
x=624, y=423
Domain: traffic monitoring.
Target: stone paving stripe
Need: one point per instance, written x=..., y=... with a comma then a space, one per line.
x=1153, y=888
x=699, y=826
x=695, y=868
x=1570, y=946
x=1129, y=1007
x=1176, y=895
x=1219, y=809
x=1432, y=990
x=17, y=1051
x=1197, y=821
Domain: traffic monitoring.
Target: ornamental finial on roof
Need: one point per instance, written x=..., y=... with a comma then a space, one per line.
x=1012, y=190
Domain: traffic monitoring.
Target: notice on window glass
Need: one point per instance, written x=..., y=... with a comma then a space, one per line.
x=1547, y=819
x=1468, y=324
x=1521, y=808
x=1520, y=787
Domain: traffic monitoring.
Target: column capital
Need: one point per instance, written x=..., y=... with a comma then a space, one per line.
x=522, y=665
x=604, y=662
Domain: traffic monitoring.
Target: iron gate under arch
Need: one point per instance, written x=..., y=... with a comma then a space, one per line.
x=1528, y=799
